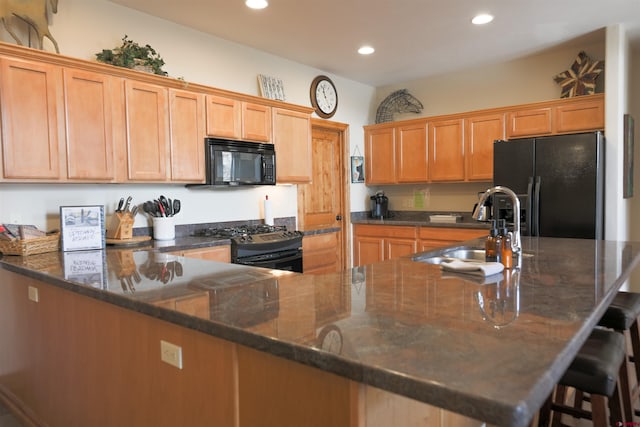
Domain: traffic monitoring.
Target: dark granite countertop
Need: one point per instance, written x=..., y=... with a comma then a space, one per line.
x=417, y=218
x=402, y=326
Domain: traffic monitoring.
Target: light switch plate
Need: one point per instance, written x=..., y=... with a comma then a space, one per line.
x=171, y=354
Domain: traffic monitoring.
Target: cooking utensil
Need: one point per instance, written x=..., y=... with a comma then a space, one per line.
x=165, y=205
x=169, y=207
x=160, y=208
x=176, y=206
x=127, y=203
x=150, y=208
x=120, y=205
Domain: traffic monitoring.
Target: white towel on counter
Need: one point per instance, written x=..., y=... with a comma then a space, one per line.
x=482, y=269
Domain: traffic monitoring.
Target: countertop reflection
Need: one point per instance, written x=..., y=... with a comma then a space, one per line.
x=491, y=351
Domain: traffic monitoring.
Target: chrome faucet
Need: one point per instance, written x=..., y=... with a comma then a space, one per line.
x=479, y=215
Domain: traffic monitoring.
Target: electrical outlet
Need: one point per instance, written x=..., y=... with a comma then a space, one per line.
x=33, y=294
x=171, y=354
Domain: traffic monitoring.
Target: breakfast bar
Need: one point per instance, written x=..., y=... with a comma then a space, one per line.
x=267, y=347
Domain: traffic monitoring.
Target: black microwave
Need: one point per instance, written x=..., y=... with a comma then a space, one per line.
x=231, y=163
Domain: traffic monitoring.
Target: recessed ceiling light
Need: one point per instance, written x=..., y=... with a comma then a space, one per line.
x=366, y=50
x=256, y=4
x=482, y=19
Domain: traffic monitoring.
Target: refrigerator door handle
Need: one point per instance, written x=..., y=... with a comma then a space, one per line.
x=536, y=207
x=528, y=212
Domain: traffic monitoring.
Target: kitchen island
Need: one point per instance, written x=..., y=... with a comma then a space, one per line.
x=266, y=347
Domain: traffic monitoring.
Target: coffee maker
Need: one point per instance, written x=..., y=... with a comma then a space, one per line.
x=379, y=205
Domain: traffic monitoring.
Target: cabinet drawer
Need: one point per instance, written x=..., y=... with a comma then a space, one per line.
x=451, y=234
x=402, y=232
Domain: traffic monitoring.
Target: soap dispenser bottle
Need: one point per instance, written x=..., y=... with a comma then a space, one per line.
x=506, y=252
x=492, y=251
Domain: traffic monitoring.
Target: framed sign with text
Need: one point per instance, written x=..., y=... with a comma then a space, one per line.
x=82, y=227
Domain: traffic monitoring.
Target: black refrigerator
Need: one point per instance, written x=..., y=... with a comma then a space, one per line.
x=559, y=181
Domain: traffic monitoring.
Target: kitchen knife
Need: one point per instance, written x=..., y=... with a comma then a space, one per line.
x=126, y=205
x=134, y=211
x=120, y=204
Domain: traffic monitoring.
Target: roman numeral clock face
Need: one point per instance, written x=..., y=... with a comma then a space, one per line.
x=324, y=97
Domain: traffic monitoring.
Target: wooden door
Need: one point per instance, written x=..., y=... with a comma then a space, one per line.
x=186, y=116
x=292, y=140
x=481, y=132
x=147, y=136
x=412, y=153
x=224, y=117
x=321, y=202
x=88, y=106
x=379, y=156
x=256, y=122
x=446, y=150
x=30, y=100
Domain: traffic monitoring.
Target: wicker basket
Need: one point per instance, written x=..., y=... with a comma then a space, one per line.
x=38, y=245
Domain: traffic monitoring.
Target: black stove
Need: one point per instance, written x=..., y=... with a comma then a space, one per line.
x=261, y=245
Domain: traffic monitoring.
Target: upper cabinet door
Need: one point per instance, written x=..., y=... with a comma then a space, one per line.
x=147, y=135
x=89, y=123
x=292, y=140
x=379, y=156
x=481, y=132
x=534, y=121
x=256, y=122
x=446, y=150
x=186, y=116
x=30, y=102
x=412, y=153
x=224, y=117
x=585, y=113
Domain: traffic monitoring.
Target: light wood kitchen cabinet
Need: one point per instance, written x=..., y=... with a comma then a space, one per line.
x=89, y=108
x=446, y=150
x=214, y=253
x=32, y=127
x=480, y=133
x=412, y=154
x=438, y=237
x=534, y=121
x=235, y=119
x=582, y=115
x=320, y=253
x=375, y=243
x=292, y=140
x=379, y=155
x=186, y=122
x=147, y=139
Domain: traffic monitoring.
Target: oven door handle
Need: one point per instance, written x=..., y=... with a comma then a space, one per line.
x=261, y=260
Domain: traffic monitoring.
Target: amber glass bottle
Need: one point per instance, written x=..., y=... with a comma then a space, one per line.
x=492, y=250
x=506, y=253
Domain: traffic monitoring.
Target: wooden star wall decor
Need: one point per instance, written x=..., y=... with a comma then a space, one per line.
x=580, y=79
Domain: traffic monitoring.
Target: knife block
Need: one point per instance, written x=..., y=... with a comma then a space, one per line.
x=121, y=226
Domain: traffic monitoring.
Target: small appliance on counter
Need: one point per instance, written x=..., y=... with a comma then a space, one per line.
x=379, y=205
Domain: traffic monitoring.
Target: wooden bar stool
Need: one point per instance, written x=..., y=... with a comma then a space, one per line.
x=595, y=370
x=622, y=316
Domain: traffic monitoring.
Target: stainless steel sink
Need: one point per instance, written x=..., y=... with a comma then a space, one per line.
x=465, y=254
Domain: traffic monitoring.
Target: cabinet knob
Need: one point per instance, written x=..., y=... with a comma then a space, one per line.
x=338, y=217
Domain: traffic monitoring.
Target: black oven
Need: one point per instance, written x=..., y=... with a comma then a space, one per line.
x=262, y=246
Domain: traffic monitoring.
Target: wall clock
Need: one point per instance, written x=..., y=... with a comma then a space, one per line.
x=324, y=96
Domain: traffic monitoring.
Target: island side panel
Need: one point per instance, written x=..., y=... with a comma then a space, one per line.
x=75, y=360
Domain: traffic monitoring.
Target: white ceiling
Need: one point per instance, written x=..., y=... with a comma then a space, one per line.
x=412, y=38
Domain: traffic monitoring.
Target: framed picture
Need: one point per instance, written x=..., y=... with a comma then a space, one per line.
x=271, y=87
x=357, y=169
x=82, y=227
x=627, y=186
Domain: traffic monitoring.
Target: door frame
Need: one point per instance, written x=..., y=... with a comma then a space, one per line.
x=343, y=131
